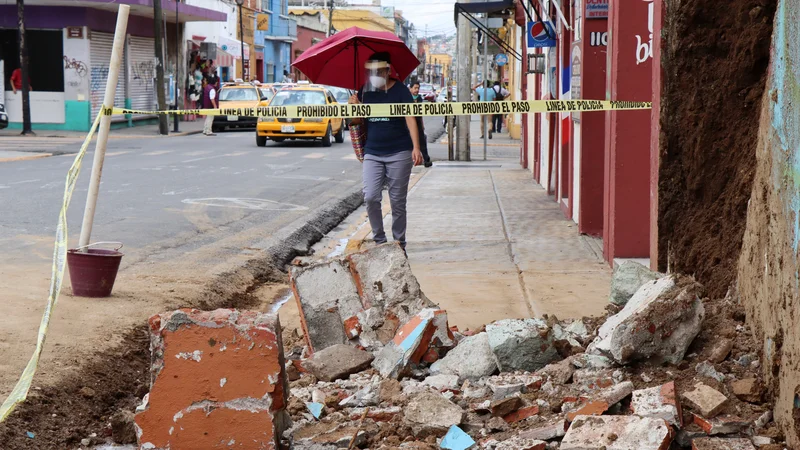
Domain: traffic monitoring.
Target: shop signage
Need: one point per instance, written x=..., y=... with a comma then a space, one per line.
x=541, y=35
x=596, y=9
x=501, y=59
x=262, y=22
x=74, y=32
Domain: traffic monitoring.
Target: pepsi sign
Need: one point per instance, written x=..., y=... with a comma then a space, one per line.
x=541, y=35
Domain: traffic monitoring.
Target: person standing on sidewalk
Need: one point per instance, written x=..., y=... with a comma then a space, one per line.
x=485, y=94
x=392, y=148
x=209, y=102
x=500, y=94
x=423, y=138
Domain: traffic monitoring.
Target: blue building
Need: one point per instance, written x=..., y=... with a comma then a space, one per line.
x=276, y=40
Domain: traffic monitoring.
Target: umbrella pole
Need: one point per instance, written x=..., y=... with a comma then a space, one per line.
x=355, y=66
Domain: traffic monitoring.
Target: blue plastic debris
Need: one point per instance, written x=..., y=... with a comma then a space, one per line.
x=456, y=439
x=315, y=409
x=30, y=434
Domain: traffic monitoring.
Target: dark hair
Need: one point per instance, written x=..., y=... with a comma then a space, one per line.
x=285, y=72
x=413, y=83
x=381, y=56
x=497, y=83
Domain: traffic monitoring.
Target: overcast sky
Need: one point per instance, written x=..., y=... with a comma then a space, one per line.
x=436, y=14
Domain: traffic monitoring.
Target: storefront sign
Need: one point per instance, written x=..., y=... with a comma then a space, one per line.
x=74, y=32
x=596, y=9
x=262, y=22
x=644, y=47
x=598, y=39
x=501, y=59
x=541, y=35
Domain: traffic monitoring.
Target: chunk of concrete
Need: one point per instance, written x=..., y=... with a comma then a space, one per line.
x=722, y=424
x=472, y=359
x=706, y=400
x=548, y=432
x=658, y=402
x=430, y=414
x=627, y=278
x=337, y=362
x=442, y=382
x=722, y=444
x=655, y=324
x=508, y=384
x=521, y=443
x=521, y=344
x=617, y=433
x=427, y=331
x=559, y=372
x=217, y=376
x=506, y=406
x=603, y=400
x=326, y=296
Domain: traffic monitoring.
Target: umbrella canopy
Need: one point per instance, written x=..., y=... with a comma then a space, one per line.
x=339, y=60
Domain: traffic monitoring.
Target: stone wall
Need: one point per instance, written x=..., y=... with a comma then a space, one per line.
x=768, y=268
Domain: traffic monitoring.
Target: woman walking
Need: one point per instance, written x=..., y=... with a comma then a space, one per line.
x=392, y=148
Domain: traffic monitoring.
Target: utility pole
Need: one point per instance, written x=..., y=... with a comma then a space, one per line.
x=464, y=78
x=178, y=78
x=163, y=124
x=23, y=60
x=330, y=17
x=486, y=125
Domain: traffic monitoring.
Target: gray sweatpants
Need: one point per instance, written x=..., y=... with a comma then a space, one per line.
x=396, y=170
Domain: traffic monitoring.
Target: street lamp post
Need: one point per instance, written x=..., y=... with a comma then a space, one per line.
x=178, y=81
x=241, y=33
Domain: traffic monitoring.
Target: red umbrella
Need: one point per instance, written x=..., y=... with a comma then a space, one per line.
x=339, y=60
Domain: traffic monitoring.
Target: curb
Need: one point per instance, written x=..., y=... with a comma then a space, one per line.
x=26, y=158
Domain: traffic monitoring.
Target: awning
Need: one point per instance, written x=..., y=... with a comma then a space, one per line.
x=223, y=59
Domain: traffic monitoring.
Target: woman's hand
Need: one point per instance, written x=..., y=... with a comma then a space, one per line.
x=353, y=100
x=416, y=156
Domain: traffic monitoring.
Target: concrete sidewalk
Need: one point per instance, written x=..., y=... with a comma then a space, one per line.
x=487, y=243
x=136, y=132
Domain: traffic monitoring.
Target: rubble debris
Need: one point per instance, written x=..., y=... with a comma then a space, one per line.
x=430, y=414
x=617, y=433
x=123, y=430
x=442, y=382
x=759, y=441
x=216, y=375
x=589, y=361
x=560, y=372
x=521, y=344
x=426, y=331
x=706, y=369
x=603, y=400
x=472, y=359
x=658, y=402
x=337, y=362
x=505, y=406
x=474, y=389
x=721, y=350
x=627, y=278
x=722, y=444
x=315, y=409
x=687, y=434
x=656, y=323
x=360, y=300
x=456, y=439
x=520, y=443
x=764, y=419
x=522, y=414
x=548, y=432
x=334, y=434
x=706, y=400
x=497, y=424
x=724, y=424
x=508, y=384
x=748, y=390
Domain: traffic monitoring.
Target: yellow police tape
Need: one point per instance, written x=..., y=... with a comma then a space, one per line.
x=20, y=392
x=344, y=111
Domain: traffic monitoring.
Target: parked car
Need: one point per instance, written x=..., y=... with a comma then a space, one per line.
x=427, y=92
x=342, y=96
x=3, y=116
x=325, y=129
x=236, y=95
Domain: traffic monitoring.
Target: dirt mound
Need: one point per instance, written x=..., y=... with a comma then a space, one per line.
x=717, y=61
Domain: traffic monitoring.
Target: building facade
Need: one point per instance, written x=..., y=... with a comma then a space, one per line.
x=311, y=29
x=277, y=31
x=69, y=52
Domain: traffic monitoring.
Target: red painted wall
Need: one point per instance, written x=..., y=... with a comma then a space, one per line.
x=303, y=42
x=593, y=126
x=627, y=143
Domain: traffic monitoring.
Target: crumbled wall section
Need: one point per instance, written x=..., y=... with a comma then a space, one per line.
x=715, y=63
x=768, y=269
x=218, y=381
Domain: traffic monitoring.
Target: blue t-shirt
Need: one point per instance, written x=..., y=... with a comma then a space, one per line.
x=387, y=135
x=483, y=91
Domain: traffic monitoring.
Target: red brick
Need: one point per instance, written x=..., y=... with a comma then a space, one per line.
x=724, y=424
x=352, y=327
x=218, y=376
x=658, y=402
x=522, y=414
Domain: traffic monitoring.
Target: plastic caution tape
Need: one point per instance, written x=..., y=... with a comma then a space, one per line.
x=343, y=111
x=20, y=392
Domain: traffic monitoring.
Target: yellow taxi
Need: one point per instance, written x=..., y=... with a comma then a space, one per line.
x=326, y=129
x=237, y=95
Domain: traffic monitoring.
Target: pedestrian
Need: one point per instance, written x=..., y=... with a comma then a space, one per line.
x=423, y=138
x=485, y=94
x=286, y=77
x=16, y=81
x=209, y=102
x=392, y=148
x=500, y=94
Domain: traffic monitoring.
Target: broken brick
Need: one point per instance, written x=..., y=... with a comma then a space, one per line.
x=721, y=350
x=352, y=327
x=722, y=444
x=522, y=414
x=706, y=400
x=617, y=433
x=427, y=330
x=505, y=406
x=748, y=389
x=216, y=376
x=337, y=362
x=658, y=402
x=724, y=424
x=603, y=400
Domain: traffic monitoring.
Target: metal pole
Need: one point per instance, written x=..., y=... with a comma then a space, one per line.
x=241, y=37
x=163, y=121
x=462, y=151
x=178, y=81
x=450, y=121
x=105, y=126
x=23, y=60
x=486, y=129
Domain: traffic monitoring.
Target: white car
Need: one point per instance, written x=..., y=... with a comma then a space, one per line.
x=442, y=97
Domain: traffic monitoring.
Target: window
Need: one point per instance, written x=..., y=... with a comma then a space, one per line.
x=265, y=5
x=238, y=94
x=285, y=98
x=270, y=72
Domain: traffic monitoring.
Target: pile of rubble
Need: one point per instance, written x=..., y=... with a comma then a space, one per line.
x=377, y=366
